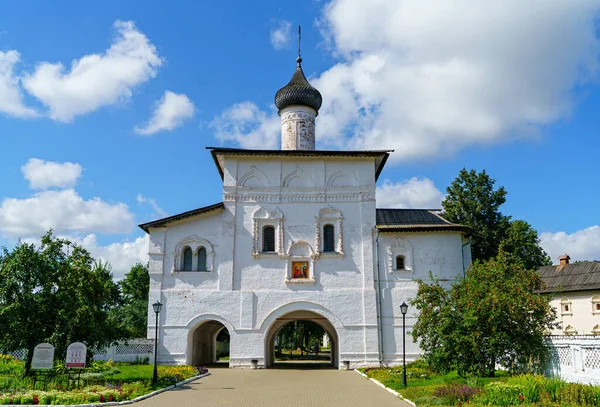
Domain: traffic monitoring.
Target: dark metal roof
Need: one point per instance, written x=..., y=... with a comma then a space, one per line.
x=298, y=92
x=188, y=214
x=414, y=220
x=581, y=276
x=380, y=156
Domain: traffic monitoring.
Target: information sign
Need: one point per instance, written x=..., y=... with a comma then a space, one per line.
x=43, y=356
x=76, y=353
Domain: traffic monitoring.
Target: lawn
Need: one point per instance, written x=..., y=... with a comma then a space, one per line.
x=428, y=388
x=100, y=382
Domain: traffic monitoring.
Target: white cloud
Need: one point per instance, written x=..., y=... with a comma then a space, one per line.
x=11, y=99
x=171, y=111
x=157, y=211
x=65, y=211
x=581, y=245
x=280, y=36
x=429, y=81
x=121, y=255
x=414, y=193
x=96, y=80
x=249, y=126
x=46, y=174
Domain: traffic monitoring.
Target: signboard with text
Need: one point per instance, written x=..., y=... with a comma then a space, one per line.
x=43, y=356
x=76, y=353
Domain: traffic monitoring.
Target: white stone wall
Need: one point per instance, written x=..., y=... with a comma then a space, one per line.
x=247, y=290
x=298, y=128
x=575, y=359
x=582, y=315
x=438, y=252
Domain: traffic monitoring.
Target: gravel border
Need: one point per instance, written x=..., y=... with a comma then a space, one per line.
x=119, y=403
x=394, y=392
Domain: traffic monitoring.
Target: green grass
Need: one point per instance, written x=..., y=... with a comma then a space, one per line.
x=100, y=381
x=427, y=388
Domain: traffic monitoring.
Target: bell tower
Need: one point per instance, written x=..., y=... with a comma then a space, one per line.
x=298, y=104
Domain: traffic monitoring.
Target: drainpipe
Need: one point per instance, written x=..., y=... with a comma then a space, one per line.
x=462, y=252
x=379, y=316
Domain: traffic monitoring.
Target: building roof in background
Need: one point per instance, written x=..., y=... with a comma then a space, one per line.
x=194, y=212
x=414, y=220
x=581, y=276
x=380, y=156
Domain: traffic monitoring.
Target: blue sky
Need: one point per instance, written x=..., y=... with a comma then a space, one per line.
x=131, y=93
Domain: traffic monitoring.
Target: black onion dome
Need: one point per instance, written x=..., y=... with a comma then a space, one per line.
x=298, y=92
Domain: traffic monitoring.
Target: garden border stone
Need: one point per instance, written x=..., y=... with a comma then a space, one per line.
x=394, y=392
x=119, y=403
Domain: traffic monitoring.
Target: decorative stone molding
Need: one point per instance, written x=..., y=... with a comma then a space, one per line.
x=400, y=247
x=565, y=307
x=300, y=252
x=254, y=174
x=329, y=216
x=298, y=198
x=194, y=243
x=337, y=179
x=297, y=128
x=596, y=304
x=262, y=218
x=298, y=173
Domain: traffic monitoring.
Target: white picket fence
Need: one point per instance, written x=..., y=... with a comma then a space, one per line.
x=134, y=350
x=575, y=358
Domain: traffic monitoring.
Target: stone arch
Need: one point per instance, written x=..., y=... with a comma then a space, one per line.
x=297, y=178
x=301, y=310
x=342, y=178
x=201, y=338
x=254, y=178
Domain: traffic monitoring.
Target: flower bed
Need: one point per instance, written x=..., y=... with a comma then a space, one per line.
x=428, y=388
x=101, y=382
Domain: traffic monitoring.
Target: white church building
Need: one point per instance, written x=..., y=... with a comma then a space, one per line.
x=296, y=237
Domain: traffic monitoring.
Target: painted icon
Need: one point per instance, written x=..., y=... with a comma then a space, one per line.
x=299, y=269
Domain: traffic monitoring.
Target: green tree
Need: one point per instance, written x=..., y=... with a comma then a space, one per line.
x=522, y=244
x=131, y=316
x=56, y=294
x=472, y=201
x=491, y=316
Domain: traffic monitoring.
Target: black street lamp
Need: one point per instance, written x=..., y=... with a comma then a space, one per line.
x=157, y=307
x=404, y=310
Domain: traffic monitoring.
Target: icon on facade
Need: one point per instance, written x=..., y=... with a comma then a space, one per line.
x=299, y=269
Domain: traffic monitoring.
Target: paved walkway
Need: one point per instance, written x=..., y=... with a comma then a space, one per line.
x=277, y=387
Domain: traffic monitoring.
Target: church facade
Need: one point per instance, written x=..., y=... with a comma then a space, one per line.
x=296, y=237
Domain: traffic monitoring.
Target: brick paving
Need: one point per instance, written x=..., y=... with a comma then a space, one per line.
x=277, y=387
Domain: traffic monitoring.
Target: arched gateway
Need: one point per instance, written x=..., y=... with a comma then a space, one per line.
x=204, y=346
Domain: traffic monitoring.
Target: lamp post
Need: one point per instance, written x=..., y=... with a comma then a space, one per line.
x=403, y=309
x=157, y=307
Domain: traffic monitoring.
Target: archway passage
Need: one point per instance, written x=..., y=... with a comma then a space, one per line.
x=301, y=340
x=210, y=344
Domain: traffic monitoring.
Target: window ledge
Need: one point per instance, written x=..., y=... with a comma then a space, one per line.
x=192, y=272
x=305, y=281
x=566, y=313
x=331, y=255
x=402, y=271
x=258, y=255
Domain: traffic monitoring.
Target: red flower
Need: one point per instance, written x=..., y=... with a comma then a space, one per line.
x=521, y=397
x=102, y=398
x=111, y=397
x=36, y=399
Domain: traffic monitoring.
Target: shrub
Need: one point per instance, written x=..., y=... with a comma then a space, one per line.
x=500, y=394
x=579, y=394
x=453, y=393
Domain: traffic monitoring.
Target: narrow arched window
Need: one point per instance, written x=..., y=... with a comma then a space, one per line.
x=400, y=263
x=201, y=259
x=187, y=259
x=268, y=239
x=328, y=239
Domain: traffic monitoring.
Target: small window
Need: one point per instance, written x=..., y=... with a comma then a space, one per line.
x=268, y=239
x=596, y=304
x=400, y=263
x=187, y=259
x=201, y=259
x=328, y=239
x=565, y=306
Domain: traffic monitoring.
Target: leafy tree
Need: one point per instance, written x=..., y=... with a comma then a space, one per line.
x=131, y=316
x=473, y=201
x=522, y=244
x=491, y=316
x=56, y=294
